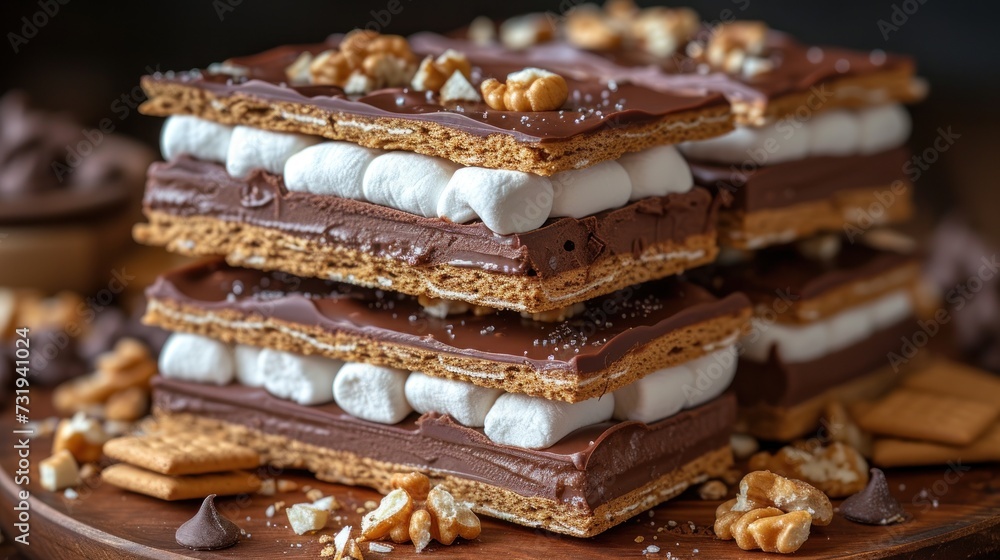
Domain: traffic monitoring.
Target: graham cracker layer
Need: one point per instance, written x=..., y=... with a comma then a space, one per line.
x=787, y=423
x=499, y=151
x=845, y=211
x=891, y=86
x=262, y=248
x=348, y=468
x=676, y=347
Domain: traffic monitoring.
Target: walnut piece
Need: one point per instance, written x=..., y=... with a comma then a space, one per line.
x=434, y=72
x=394, y=509
x=524, y=31
x=404, y=517
x=838, y=469
x=365, y=61
x=736, y=43
x=767, y=528
x=662, y=31
x=589, y=28
x=417, y=485
x=761, y=489
x=531, y=89
x=82, y=437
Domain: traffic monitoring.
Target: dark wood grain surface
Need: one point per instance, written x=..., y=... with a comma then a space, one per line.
x=955, y=510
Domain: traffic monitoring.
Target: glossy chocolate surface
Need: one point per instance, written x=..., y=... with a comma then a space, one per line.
x=188, y=187
x=783, y=270
x=756, y=187
x=586, y=468
x=610, y=327
x=593, y=104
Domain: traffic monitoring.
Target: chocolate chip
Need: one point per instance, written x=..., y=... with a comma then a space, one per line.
x=874, y=505
x=207, y=530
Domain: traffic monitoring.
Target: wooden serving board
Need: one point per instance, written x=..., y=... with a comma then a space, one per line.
x=955, y=514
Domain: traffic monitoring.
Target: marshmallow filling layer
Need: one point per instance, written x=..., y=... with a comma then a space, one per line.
x=388, y=396
x=839, y=132
x=505, y=201
x=809, y=341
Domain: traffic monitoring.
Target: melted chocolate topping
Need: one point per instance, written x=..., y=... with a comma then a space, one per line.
x=793, y=182
x=188, y=187
x=610, y=326
x=782, y=269
x=587, y=468
x=593, y=104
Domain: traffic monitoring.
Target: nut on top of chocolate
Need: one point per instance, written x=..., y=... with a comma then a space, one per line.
x=874, y=505
x=208, y=530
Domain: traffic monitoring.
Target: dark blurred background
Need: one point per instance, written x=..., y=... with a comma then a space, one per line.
x=89, y=55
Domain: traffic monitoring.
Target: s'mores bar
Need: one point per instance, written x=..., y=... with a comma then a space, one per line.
x=434, y=178
x=825, y=323
x=818, y=143
x=356, y=384
x=447, y=260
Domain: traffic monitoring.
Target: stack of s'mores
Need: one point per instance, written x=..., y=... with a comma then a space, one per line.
x=455, y=259
x=814, y=168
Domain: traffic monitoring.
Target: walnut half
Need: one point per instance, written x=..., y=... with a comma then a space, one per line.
x=531, y=89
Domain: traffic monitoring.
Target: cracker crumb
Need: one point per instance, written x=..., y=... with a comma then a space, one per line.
x=380, y=547
x=287, y=486
x=314, y=494
x=639, y=539
x=370, y=505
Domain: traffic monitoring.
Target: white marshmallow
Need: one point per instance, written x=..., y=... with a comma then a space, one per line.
x=712, y=375
x=777, y=142
x=891, y=309
x=247, y=372
x=463, y=401
x=756, y=344
x=795, y=344
x=253, y=148
x=838, y=132
x=331, y=168
x=537, y=423
x=191, y=357
x=205, y=140
x=506, y=201
x=306, y=380
x=848, y=327
x=882, y=128
x=372, y=393
x=656, y=172
x=656, y=396
x=835, y=133
x=582, y=192
x=409, y=182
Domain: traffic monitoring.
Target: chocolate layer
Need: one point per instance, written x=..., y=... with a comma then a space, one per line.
x=592, y=105
x=188, y=187
x=757, y=187
x=609, y=328
x=783, y=270
x=797, y=67
x=779, y=383
x=586, y=468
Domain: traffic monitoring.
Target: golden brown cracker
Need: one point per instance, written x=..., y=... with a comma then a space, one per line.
x=171, y=488
x=916, y=415
x=181, y=454
x=890, y=452
x=946, y=377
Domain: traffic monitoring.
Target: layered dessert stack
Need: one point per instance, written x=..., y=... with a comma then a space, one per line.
x=815, y=166
x=446, y=258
